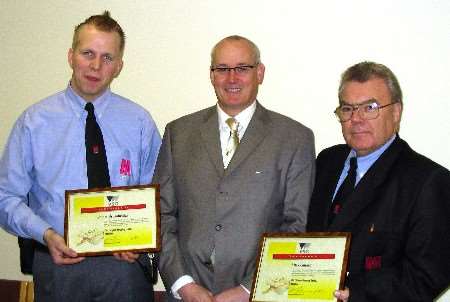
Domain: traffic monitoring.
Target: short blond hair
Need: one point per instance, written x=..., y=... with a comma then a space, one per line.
x=102, y=22
x=255, y=49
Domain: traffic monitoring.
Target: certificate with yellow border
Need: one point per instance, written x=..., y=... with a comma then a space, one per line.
x=300, y=267
x=105, y=221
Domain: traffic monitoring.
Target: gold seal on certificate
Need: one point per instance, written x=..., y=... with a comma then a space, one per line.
x=300, y=267
x=105, y=221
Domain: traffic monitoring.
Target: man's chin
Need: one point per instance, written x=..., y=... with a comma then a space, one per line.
x=361, y=148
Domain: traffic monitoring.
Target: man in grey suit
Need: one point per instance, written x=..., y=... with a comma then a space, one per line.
x=223, y=185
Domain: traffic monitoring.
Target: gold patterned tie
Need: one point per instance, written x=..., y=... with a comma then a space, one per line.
x=233, y=140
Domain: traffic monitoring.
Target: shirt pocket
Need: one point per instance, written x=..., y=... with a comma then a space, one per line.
x=124, y=167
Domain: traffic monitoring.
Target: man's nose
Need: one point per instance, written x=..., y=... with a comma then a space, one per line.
x=232, y=75
x=356, y=115
x=96, y=63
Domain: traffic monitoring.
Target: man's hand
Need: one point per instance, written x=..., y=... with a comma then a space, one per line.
x=58, y=249
x=126, y=256
x=342, y=295
x=193, y=292
x=235, y=294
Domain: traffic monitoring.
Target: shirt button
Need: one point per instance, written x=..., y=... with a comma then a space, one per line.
x=218, y=227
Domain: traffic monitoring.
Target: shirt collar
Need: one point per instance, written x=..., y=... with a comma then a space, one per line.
x=78, y=102
x=243, y=118
x=365, y=162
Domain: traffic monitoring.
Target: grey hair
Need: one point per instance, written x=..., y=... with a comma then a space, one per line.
x=365, y=71
x=255, y=49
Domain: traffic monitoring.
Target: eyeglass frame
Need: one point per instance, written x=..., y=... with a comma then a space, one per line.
x=226, y=70
x=357, y=107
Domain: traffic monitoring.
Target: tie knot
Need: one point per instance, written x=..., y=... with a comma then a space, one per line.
x=89, y=108
x=232, y=123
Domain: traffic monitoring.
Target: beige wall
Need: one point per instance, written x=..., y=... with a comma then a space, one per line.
x=305, y=46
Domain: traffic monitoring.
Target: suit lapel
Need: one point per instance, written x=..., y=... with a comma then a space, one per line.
x=211, y=139
x=256, y=131
x=327, y=188
x=369, y=185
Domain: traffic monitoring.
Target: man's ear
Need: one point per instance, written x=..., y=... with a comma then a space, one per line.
x=118, y=68
x=70, y=57
x=397, y=112
x=398, y=108
x=260, y=69
x=211, y=77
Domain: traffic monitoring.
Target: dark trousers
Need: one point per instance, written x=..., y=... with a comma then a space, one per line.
x=95, y=279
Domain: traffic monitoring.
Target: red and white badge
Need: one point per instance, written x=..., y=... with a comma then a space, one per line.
x=125, y=167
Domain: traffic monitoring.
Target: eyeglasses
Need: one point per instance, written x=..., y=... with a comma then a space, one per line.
x=367, y=111
x=240, y=70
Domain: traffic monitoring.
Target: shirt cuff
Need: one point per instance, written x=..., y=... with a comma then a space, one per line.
x=182, y=281
x=37, y=227
x=246, y=290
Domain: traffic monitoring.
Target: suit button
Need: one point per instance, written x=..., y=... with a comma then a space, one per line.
x=209, y=265
x=218, y=227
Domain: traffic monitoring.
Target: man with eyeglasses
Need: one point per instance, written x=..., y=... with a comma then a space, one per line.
x=229, y=173
x=397, y=208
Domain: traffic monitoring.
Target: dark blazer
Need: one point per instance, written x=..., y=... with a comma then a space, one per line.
x=266, y=188
x=399, y=218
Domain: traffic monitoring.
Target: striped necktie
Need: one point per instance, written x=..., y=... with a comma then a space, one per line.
x=233, y=140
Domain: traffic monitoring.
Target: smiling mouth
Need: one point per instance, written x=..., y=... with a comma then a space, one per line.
x=233, y=90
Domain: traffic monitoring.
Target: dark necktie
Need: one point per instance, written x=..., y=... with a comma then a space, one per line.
x=344, y=191
x=97, y=164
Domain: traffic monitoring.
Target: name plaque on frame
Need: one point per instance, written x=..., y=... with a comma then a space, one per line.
x=300, y=267
x=111, y=220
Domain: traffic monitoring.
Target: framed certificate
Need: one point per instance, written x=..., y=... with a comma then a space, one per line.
x=105, y=221
x=300, y=267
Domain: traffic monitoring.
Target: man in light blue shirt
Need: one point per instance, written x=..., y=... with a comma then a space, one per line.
x=393, y=200
x=45, y=155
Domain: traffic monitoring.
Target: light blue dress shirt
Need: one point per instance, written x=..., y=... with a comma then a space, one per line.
x=364, y=163
x=46, y=155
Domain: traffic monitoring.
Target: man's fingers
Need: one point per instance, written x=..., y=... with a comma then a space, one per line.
x=192, y=292
x=66, y=261
x=126, y=256
x=342, y=295
x=58, y=249
x=61, y=258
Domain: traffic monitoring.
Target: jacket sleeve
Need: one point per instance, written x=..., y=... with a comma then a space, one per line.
x=171, y=264
x=297, y=191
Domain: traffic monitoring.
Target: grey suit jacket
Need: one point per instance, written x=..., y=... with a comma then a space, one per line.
x=266, y=188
